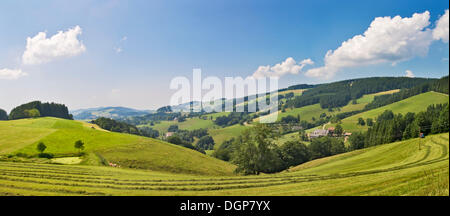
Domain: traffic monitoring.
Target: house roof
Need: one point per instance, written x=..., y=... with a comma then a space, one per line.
x=320, y=132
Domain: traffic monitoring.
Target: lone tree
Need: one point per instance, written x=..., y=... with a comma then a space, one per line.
x=369, y=122
x=41, y=147
x=361, y=122
x=256, y=151
x=79, y=145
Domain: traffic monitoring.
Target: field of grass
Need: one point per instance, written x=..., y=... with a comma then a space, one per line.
x=288, y=137
x=413, y=104
x=124, y=149
x=308, y=112
x=392, y=169
x=189, y=124
x=297, y=92
x=221, y=134
x=215, y=115
x=67, y=160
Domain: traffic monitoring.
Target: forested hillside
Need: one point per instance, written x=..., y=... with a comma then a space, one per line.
x=440, y=85
x=390, y=127
x=339, y=94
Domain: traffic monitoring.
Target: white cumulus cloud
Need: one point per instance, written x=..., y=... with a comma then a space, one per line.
x=409, y=74
x=387, y=40
x=440, y=32
x=11, y=74
x=289, y=66
x=41, y=49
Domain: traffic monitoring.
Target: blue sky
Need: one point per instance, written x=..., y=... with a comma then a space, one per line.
x=134, y=48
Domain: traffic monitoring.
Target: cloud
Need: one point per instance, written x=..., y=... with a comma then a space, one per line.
x=289, y=66
x=118, y=49
x=409, y=74
x=440, y=32
x=10, y=74
x=41, y=49
x=387, y=40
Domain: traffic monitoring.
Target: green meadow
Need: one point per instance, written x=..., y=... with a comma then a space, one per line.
x=222, y=134
x=399, y=168
x=128, y=150
x=307, y=113
x=413, y=104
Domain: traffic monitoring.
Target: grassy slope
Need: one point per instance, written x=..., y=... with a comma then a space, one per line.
x=393, y=169
x=414, y=104
x=127, y=150
x=221, y=134
x=297, y=92
x=189, y=124
x=308, y=112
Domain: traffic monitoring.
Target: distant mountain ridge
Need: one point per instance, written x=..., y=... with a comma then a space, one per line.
x=107, y=112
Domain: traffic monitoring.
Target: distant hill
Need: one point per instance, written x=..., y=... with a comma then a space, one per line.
x=107, y=112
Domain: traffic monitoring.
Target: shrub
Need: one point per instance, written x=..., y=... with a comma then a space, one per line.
x=45, y=155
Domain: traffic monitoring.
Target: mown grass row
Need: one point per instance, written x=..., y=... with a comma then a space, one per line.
x=29, y=178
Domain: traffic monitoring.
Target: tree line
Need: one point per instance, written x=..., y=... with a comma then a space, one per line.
x=122, y=127
x=339, y=94
x=234, y=118
x=39, y=109
x=116, y=126
x=440, y=85
x=390, y=127
x=187, y=137
x=152, y=118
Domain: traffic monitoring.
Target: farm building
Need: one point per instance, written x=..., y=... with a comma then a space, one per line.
x=169, y=134
x=318, y=133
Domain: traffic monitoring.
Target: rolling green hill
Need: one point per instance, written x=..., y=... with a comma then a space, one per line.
x=22, y=136
x=189, y=124
x=308, y=112
x=413, y=104
x=221, y=134
x=107, y=112
x=392, y=169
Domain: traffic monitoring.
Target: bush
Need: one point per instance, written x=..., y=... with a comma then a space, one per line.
x=290, y=119
x=22, y=155
x=45, y=155
x=173, y=128
x=206, y=143
x=225, y=151
x=326, y=146
x=294, y=153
